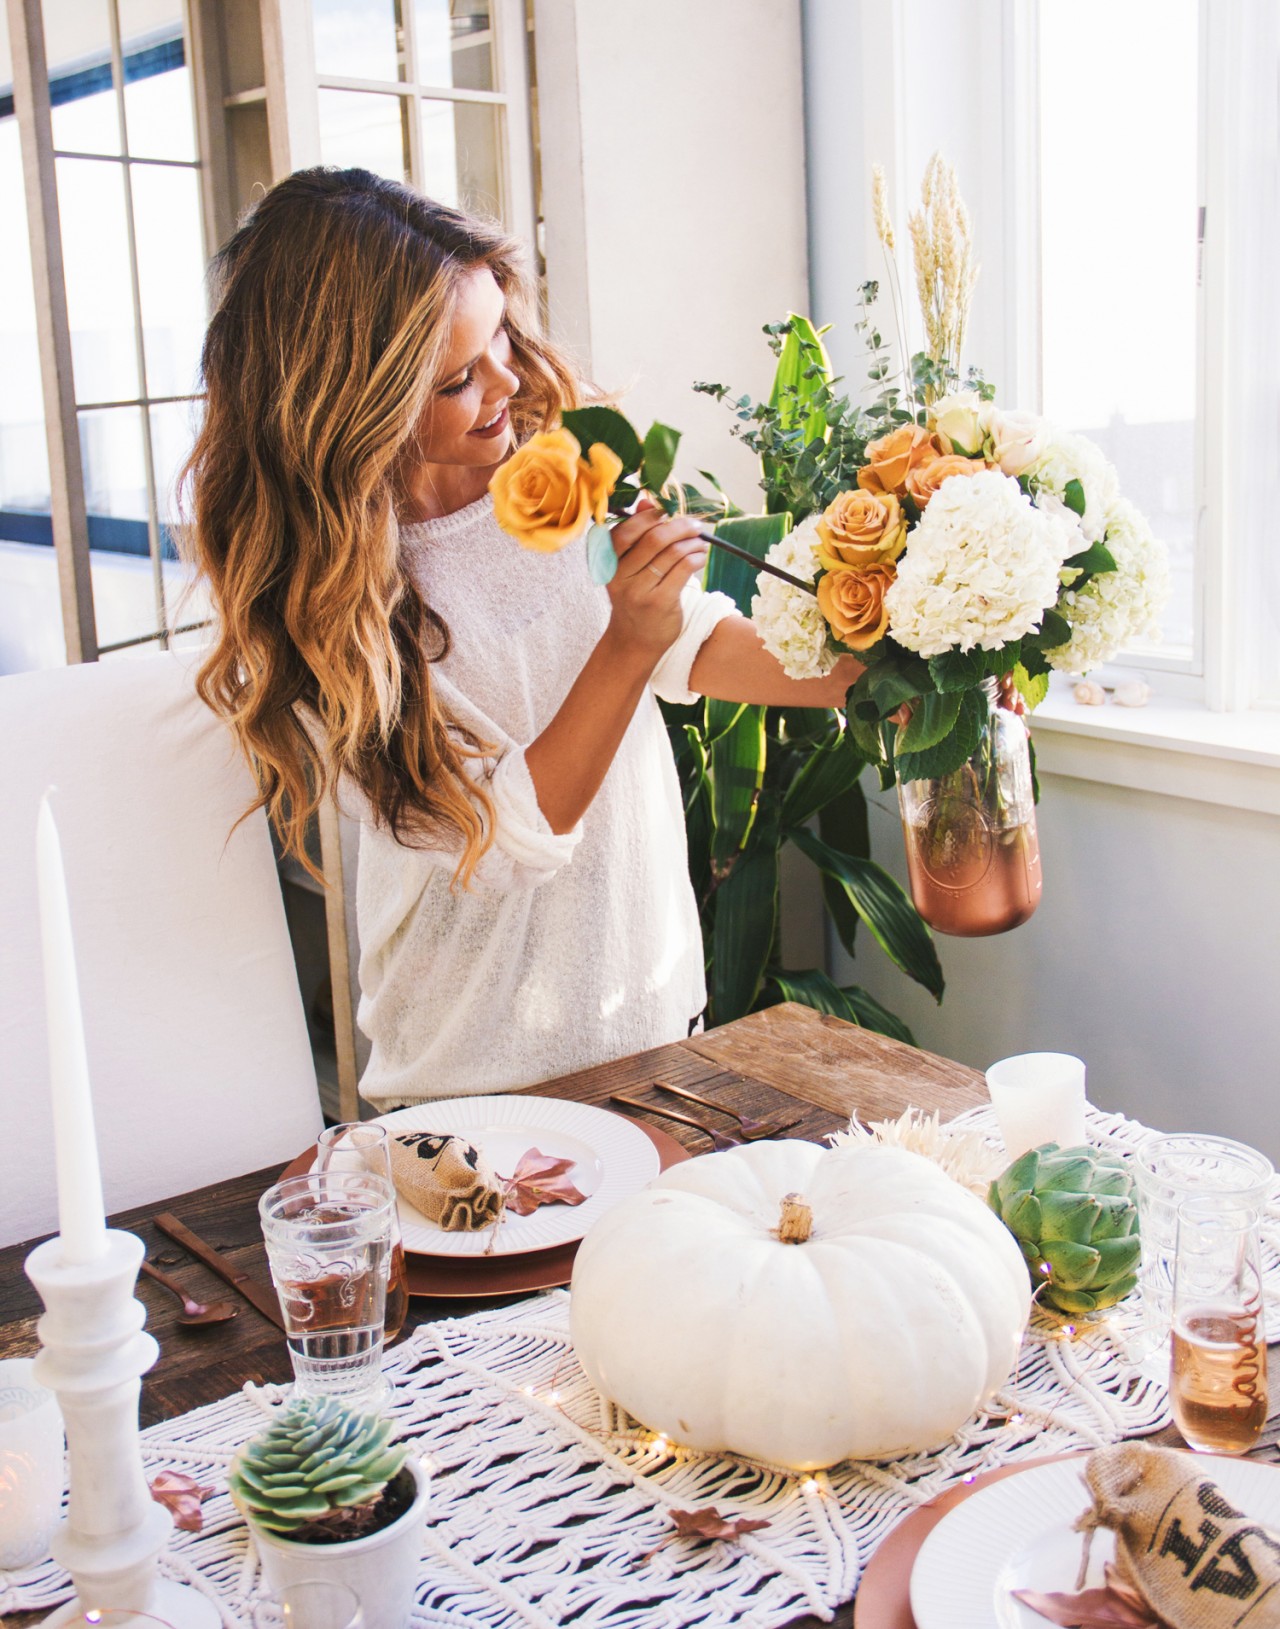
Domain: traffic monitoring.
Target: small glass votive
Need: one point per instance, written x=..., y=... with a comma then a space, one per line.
x=31, y=1465
x=318, y=1603
x=1168, y=1171
x=328, y=1237
x=1038, y=1097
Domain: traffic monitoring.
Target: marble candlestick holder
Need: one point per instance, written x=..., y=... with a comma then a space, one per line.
x=93, y=1354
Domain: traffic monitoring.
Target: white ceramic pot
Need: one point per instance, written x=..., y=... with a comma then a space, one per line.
x=382, y=1568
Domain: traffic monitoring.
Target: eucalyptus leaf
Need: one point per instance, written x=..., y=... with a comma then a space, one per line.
x=605, y=424
x=602, y=557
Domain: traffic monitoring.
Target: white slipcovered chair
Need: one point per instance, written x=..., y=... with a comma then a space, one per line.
x=198, y=1052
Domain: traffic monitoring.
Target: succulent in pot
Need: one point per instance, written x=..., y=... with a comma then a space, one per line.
x=327, y=1495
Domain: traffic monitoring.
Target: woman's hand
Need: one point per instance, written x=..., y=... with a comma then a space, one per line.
x=657, y=555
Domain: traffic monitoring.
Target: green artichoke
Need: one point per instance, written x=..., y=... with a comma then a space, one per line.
x=1073, y=1213
x=317, y=1463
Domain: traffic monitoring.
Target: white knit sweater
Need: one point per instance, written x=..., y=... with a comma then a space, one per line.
x=567, y=950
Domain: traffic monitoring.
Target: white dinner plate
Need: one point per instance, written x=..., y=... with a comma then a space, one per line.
x=1017, y=1534
x=612, y=1158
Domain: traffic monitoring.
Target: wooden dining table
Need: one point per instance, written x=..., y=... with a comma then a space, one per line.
x=817, y=1068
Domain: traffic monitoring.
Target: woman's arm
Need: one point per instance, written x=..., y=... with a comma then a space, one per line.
x=733, y=665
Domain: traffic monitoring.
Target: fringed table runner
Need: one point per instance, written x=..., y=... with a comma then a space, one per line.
x=549, y=1506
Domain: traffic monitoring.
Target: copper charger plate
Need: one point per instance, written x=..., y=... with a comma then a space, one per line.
x=883, y=1600
x=473, y=1278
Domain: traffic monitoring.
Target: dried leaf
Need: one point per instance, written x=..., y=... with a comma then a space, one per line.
x=540, y=1179
x=182, y=1496
x=1116, y=1606
x=710, y=1524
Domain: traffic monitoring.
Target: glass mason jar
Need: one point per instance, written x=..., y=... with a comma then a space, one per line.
x=973, y=858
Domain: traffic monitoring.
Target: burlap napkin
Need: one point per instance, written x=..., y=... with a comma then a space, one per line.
x=1197, y=1561
x=446, y=1179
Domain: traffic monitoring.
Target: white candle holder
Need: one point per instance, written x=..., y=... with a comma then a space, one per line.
x=93, y=1354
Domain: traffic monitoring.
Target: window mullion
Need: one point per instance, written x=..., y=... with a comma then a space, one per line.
x=53, y=330
x=515, y=148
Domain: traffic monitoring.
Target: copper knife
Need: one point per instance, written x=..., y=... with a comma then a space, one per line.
x=257, y=1294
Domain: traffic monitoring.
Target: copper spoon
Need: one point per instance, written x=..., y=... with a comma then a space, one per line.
x=193, y=1312
x=772, y=1126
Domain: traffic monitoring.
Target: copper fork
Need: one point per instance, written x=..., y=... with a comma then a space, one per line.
x=720, y=1140
x=771, y=1126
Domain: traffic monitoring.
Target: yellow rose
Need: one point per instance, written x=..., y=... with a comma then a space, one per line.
x=861, y=529
x=925, y=479
x=852, y=601
x=890, y=458
x=959, y=420
x=547, y=491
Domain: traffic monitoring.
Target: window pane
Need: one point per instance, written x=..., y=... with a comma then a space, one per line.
x=173, y=432
x=359, y=129
x=24, y=452
x=115, y=491
x=167, y=223
x=157, y=85
x=1118, y=254
x=357, y=39
x=460, y=155
x=77, y=42
x=95, y=254
x=454, y=40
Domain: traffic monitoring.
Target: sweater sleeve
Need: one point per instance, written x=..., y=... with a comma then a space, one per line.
x=702, y=612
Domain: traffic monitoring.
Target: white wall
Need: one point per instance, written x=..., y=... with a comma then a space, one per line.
x=1153, y=956
x=673, y=169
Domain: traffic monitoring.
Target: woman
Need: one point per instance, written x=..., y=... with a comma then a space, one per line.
x=488, y=713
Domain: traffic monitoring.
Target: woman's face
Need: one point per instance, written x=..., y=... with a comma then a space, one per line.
x=465, y=428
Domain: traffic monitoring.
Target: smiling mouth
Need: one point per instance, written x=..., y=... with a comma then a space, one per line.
x=496, y=423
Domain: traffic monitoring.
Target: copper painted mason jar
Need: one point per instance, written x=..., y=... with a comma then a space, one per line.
x=973, y=858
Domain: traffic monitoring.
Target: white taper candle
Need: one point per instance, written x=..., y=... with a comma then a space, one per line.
x=81, y=1213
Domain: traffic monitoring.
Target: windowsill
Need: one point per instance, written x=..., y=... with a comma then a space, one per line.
x=1171, y=747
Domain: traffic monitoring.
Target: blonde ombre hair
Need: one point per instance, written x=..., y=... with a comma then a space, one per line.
x=334, y=301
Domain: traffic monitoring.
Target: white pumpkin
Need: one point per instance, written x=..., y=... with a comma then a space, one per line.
x=875, y=1334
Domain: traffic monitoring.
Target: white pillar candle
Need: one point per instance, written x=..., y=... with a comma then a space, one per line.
x=1038, y=1098
x=81, y=1213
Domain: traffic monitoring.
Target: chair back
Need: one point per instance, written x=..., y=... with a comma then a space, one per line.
x=199, y=1059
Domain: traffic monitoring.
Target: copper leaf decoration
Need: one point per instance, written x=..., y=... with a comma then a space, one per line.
x=704, y=1524
x=1116, y=1606
x=181, y=1496
x=540, y=1179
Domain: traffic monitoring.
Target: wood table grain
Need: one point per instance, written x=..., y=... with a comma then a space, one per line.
x=819, y=1069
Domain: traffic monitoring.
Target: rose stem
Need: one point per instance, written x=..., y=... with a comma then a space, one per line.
x=709, y=536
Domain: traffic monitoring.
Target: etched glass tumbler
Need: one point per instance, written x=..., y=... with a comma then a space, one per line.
x=328, y=1237
x=366, y=1146
x=1170, y=1170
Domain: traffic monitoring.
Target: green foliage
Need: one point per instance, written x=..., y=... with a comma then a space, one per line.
x=317, y=1466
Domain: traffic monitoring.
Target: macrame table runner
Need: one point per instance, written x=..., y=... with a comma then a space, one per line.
x=548, y=1504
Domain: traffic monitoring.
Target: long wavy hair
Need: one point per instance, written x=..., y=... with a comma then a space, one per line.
x=333, y=307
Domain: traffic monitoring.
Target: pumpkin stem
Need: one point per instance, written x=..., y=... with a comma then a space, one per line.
x=795, y=1223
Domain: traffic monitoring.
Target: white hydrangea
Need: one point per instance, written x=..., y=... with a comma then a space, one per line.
x=790, y=623
x=1068, y=458
x=1116, y=607
x=980, y=569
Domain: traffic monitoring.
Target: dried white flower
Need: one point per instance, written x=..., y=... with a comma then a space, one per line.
x=788, y=619
x=963, y=1155
x=980, y=569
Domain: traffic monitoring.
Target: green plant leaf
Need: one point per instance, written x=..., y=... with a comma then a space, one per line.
x=932, y=719
x=606, y=424
x=746, y=915
x=803, y=370
x=737, y=773
x=880, y=902
x=755, y=533
x=1033, y=688
x=814, y=989
x=1073, y=496
x=1096, y=559
x=827, y=772
x=659, y=456
x=1055, y=630
x=871, y=1015
x=842, y=825
x=720, y=717
x=957, y=669
x=947, y=755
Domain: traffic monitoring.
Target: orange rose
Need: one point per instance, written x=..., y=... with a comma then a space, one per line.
x=925, y=479
x=861, y=529
x=547, y=491
x=893, y=455
x=852, y=601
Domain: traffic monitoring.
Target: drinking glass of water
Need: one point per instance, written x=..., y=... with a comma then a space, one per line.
x=365, y=1146
x=1218, y=1358
x=329, y=1237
